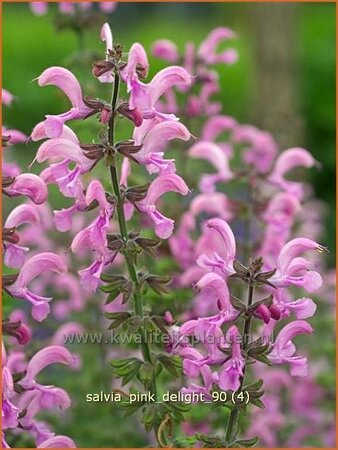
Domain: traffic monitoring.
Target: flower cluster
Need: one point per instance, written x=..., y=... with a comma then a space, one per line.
x=198, y=62
x=23, y=397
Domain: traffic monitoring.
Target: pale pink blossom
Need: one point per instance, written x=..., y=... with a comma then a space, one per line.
x=22, y=214
x=165, y=49
x=294, y=270
x=160, y=186
x=208, y=48
x=231, y=371
x=33, y=267
x=216, y=157
x=284, y=350
x=153, y=143
x=30, y=185
x=288, y=160
x=219, y=248
x=6, y=97
x=67, y=82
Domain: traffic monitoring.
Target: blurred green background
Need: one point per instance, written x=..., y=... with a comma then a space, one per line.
x=284, y=81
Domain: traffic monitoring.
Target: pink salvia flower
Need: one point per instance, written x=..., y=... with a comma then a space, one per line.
x=154, y=142
x=143, y=97
x=22, y=214
x=232, y=370
x=220, y=246
x=66, y=7
x=160, y=186
x=66, y=81
x=55, y=354
x=215, y=156
x=108, y=7
x=33, y=267
x=208, y=49
x=294, y=271
x=15, y=136
x=262, y=148
x=67, y=179
x=213, y=288
x=39, y=8
x=217, y=125
x=7, y=97
x=288, y=160
x=107, y=37
x=284, y=349
x=166, y=50
x=31, y=186
x=94, y=237
x=137, y=61
x=57, y=442
x=303, y=308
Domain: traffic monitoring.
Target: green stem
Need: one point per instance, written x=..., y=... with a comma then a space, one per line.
x=137, y=297
x=231, y=426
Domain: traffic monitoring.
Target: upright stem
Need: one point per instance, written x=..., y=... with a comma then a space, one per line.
x=246, y=331
x=138, y=302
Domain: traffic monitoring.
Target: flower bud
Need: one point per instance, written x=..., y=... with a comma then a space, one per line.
x=263, y=312
x=275, y=312
x=106, y=113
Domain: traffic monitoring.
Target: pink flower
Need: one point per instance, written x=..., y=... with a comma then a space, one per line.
x=39, y=8
x=284, y=349
x=66, y=81
x=33, y=267
x=154, y=142
x=54, y=354
x=220, y=248
x=292, y=270
x=137, y=61
x=303, y=308
x=217, y=125
x=213, y=288
x=74, y=296
x=15, y=136
x=215, y=204
x=165, y=49
x=66, y=7
x=94, y=237
x=262, y=148
x=215, y=155
x=208, y=49
x=69, y=152
x=108, y=7
x=66, y=330
x=281, y=211
x=107, y=37
x=57, y=442
x=10, y=411
x=143, y=97
x=29, y=185
x=288, y=160
x=6, y=97
x=160, y=186
x=232, y=370
x=14, y=253
x=208, y=378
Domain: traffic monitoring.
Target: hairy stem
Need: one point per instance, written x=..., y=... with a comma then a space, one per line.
x=231, y=426
x=137, y=297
